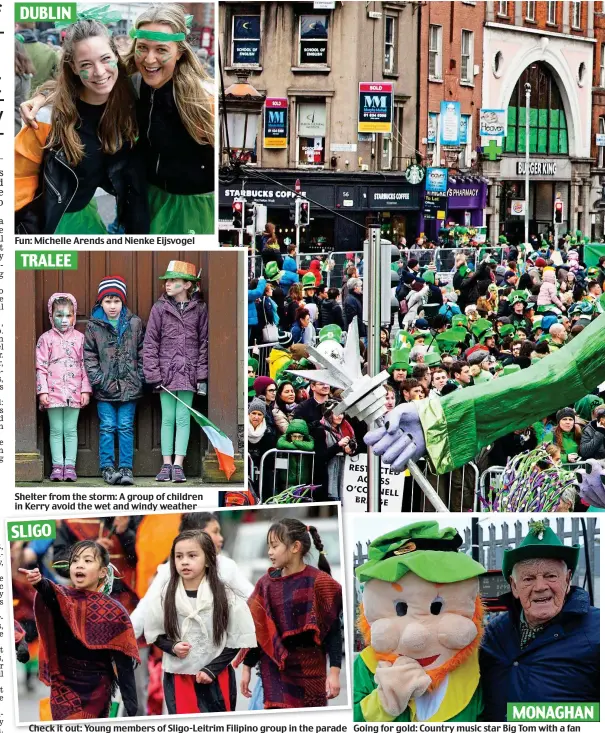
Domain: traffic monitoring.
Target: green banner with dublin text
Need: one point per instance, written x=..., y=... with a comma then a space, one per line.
x=45, y=12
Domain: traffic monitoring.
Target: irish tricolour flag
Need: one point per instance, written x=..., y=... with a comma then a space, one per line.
x=223, y=447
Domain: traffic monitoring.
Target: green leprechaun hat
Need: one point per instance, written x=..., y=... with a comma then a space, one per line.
x=510, y=369
x=540, y=542
x=459, y=320
x=178, y=270
x=252, y=362
x=518, y=296
x=450, y=339
x=308, y=281
x=506, y=329
x=432, y=359
x=482, y=329
x=400, y=359
x=331, y=332
x=403, y=340
x=422, y=548
x=273, y=273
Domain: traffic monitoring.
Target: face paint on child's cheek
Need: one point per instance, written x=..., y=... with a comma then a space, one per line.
x=83, y=74
x=62, y=320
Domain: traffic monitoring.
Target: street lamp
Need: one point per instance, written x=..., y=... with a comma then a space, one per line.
x=527, y=102
x=241, y=108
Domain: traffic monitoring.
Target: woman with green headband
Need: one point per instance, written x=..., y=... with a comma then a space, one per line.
x=176, y=119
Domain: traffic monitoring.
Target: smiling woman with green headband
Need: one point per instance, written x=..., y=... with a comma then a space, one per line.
x=175, y=112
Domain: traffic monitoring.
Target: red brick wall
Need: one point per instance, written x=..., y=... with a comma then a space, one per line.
x=598, y=94
x=453, y=17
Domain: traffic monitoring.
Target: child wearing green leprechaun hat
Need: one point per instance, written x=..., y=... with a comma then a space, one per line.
x=175, y=360
x=421, y=619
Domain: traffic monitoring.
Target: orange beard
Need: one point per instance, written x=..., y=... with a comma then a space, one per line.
x=438, y=674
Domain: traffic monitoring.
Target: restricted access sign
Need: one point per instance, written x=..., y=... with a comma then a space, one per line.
x=355, y=486
x=276, y=123
x=375, y=107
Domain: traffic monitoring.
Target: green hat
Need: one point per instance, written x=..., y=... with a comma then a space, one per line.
x=592, y=272
x=422, y=548
x=273, y=273
x=429, y=277
x=459, y=320
x=432, y=359
x=586, y=406
x=253, y=363
x=510, y=369
x=178, y=270
x=251, y=390
x=308, y=281
x=518, y=296
x=403, y=340
x=502, y=239
x=540, y=542
x=400, y=359
x=419, y=333
x=448, y=340
x=298, y=426
x=331, y=332
x=482, y=328
x=537, y=323
x=506, y=330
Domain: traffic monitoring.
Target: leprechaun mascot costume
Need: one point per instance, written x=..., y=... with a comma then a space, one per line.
x=421, y=619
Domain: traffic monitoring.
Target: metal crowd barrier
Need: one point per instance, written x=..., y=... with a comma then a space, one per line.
x=261, y=352
x=457, y=489
x=490, y=481
x=274, y=478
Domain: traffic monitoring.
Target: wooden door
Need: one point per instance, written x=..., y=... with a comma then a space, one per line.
x=141, y=271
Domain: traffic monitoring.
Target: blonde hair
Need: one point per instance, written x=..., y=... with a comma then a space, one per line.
x=193, y=100
x=118, y=124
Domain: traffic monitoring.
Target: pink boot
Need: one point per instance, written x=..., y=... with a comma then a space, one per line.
x=57, y=473
x=69, y=473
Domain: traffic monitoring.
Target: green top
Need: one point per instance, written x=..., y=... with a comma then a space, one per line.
x=114, y=322
x=457, y=426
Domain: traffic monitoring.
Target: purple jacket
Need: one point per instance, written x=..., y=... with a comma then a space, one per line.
x=175, y=349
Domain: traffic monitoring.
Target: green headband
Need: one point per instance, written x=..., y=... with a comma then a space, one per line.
x=156, y=35
x=101, y=13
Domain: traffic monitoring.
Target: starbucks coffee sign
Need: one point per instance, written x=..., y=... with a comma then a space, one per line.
x=537, y=168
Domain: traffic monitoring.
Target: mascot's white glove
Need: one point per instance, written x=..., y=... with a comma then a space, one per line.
x=399, y=682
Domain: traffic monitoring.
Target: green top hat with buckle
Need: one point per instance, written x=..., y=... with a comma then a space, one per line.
x=459, y=320
x=518, y=296
x=482, y=329
x=273, y=273
x=178, y=270
x=540, y=542
x=400, y=359
x=432, y=359
x=308, y=281
x=332, y=332
x=422, y=548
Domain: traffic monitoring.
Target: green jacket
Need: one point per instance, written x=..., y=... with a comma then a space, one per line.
x=457, y=426
x=462, y=701
x=43, y=58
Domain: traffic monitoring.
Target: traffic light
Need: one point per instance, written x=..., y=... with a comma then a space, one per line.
x=558, y=211
x=301, y=218
x=293, y=210
x=238, y=212
x=249, y=214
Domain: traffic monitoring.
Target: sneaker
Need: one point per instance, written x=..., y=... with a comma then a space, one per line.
x=69, y=473
x=110, y=475
x=57, y=473
x=178, y=476
x=126, y=477
x=165, y=474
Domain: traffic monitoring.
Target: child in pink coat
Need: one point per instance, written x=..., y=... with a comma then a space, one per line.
x=61, y=383
x=548, y=291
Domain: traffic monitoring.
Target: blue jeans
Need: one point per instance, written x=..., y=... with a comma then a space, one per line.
x=116, y=417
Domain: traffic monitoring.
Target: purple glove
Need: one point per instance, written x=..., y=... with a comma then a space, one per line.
x=401, y=438
x=592, y=486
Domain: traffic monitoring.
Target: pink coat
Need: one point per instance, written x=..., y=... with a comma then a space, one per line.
x=548, y=291
x=60, y=369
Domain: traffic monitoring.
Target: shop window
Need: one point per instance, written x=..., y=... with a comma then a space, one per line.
x=530, y=10
x=313, y=40
x=390, y=44
x=311, y=133
x=466, y=65
x=551, y=12
x=245, y=40
x=601, y=149
x=435, y=64
x=547, y=122
x=576, y=14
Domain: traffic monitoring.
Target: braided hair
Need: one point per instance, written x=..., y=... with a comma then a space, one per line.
x=289, y=531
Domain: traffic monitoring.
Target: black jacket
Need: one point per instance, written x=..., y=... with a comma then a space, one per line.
x=175, y=162
x=331, y=314
x=592, y=444
x=58, y=185
x=353, y=306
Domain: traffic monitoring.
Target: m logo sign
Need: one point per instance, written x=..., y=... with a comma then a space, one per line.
x=375, y=107
x=276, y=123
